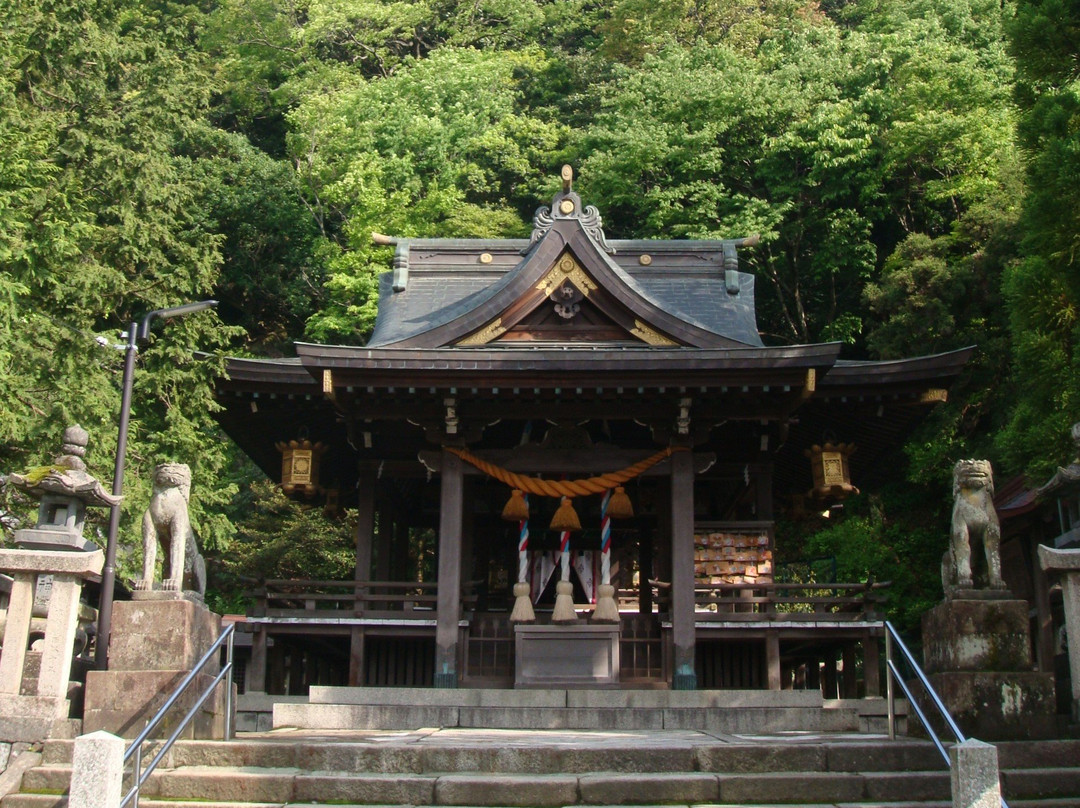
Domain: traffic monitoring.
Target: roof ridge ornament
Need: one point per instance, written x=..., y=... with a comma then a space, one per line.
x=567, y=205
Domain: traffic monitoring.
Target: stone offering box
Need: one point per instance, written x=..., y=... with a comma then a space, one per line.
x=567, y=656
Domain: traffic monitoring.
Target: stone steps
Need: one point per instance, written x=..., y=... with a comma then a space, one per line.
x=735, y=711
x=445, y=768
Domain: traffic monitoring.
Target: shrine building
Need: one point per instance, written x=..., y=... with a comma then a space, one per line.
x=613, y=400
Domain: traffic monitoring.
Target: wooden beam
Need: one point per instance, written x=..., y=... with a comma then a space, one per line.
x=578, y=462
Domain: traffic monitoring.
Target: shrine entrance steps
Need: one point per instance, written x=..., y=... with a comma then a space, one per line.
x=550, y=769
x=754, y=711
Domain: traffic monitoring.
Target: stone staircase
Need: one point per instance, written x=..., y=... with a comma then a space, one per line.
x=462, y=767
x=401, y=747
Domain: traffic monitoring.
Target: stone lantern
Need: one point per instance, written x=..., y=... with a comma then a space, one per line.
x=65, y=489
x=52, y=555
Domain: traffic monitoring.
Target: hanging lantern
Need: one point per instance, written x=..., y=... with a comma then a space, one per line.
x=832, y=477
x=300, y=466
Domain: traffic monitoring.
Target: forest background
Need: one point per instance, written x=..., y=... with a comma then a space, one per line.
x=913, y=168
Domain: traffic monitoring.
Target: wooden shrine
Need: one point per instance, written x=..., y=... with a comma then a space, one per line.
x=544, y=364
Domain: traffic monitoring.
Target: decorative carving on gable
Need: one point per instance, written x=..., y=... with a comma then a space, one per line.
x=492, y=330
x=567, y=205
x=567, y=299
x=594, y=226
x=649, y=335
x=567, y=270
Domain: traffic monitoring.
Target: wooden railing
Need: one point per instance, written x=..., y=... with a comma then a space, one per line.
x=756, y=602
x=402, y=600
x=822, y=602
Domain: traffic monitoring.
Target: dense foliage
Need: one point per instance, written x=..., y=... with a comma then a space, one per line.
x=910, y=165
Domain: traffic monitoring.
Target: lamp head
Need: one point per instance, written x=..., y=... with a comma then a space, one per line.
x=175, y=311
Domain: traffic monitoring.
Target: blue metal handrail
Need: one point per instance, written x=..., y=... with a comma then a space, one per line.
x=134, y=752
x=892, y=637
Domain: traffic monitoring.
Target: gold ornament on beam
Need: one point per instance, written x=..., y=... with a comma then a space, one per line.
x=832, y=475
x=300, y=460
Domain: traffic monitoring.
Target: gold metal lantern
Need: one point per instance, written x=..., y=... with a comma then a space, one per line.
x=832, y=475
x=300, y=460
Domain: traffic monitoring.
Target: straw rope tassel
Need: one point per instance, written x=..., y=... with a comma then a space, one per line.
x=523, y=610
x=564, y=611
x=606, y=611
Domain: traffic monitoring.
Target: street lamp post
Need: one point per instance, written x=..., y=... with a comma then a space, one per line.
x=136, y=333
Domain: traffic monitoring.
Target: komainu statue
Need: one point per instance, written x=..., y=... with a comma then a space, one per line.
x=166, y=521
x=974, y=522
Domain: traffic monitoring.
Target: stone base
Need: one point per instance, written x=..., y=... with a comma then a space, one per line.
x=162, y=635
x=956, y=593
x=121, y=702
x=31, y=718
x=167, y=594
x=977, y=635
x=566, y=656
x=998, y=706
x=446, y=680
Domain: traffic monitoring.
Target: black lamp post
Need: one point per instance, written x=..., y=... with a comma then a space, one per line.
x=136, y=333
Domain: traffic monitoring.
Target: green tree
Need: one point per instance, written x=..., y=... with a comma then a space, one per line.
x=101, y=224
x=441, y=148
x=1043, y=290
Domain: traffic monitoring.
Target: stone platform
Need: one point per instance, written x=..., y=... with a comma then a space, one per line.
x=759, y=711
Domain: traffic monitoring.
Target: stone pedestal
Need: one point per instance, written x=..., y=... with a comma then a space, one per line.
x=566, y=656
x=33, y=713
x=154, y=645
x=977, y=654
x=1066, y=564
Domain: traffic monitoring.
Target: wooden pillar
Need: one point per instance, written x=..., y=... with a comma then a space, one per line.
x=296, y=672
x=829, y=672
x=645, y=568
x=399, y=554
x=468, y=529
x=684, y=676
x=449, y=598
x=813, y=674
x=365, y=523
x=849, y=682
x=763, y=484
x=871, y=666
x=365, y=539
x=384, y=536
x=257, y=667
x=772, y=659
x=276, y=683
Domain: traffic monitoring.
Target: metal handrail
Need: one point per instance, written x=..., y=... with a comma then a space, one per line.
x=892, y=637
x=134, y=752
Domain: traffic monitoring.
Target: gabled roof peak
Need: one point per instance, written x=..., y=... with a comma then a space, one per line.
x=567, y=205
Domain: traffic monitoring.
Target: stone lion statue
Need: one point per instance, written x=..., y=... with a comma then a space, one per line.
x=974, y=522
x=166, y=522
